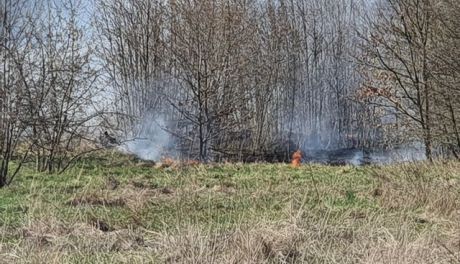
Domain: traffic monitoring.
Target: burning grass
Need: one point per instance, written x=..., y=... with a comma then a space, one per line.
x=296, y=159
x=233, y=213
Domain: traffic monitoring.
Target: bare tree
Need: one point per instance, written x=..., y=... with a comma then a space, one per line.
x=397, y=50
x=207, y=44
x=446, y=66
x=131, y=43
x=15, y=21
x=59, y=83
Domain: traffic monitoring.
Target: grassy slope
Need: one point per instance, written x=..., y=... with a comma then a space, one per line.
x=257, y=213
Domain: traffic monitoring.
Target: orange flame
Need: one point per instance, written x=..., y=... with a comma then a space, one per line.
x=296, y=159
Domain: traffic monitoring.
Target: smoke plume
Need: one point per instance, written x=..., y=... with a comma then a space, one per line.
x=149, y=140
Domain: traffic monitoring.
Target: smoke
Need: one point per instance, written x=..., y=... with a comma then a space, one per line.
x=405, y=153
x=355, y=156
x=358, y=158
x=149, y=139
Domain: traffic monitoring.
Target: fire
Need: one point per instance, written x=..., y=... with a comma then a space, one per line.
x=296, y=159
x=166, y=162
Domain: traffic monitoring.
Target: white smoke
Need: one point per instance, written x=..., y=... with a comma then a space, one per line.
x=406, y=153
x=150, y=140
x=354, y=156
x=358, y=158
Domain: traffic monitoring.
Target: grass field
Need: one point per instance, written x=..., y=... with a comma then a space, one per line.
x=112, y=209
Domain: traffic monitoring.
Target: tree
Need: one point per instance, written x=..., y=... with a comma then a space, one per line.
x=16, y=18
x=54, y=89
x=207, y=44
x=397, y=50
x=131, y=43
x=446, y=64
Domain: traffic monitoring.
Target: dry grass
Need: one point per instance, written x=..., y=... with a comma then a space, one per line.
x=238, y=214
x=290, y=243
x=56, y=242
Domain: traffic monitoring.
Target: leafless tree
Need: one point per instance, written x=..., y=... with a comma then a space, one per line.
x=207, y=44
x=446, y=67
x=15, y=38
x=57, y=85
x=131, y=46
x=398, y=45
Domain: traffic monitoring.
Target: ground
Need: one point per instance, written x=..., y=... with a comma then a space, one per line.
x=113, y=209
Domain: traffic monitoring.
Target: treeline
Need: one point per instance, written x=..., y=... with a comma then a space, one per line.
x=231, y=79
x=241, y=77
x=238, y=78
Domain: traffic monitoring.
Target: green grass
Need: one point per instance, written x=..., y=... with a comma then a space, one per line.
x=232, y=213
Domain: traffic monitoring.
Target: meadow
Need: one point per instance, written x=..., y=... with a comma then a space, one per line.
x=116, y=209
